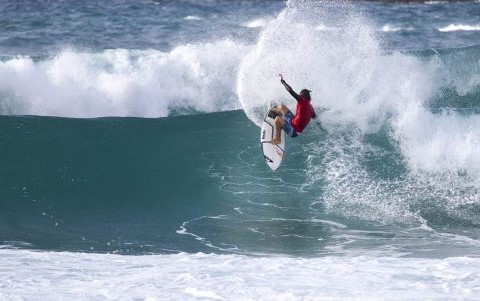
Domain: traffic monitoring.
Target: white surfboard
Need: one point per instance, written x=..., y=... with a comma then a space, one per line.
x=273, y=154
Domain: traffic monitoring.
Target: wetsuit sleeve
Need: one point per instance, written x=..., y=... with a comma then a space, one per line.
x=290, y=90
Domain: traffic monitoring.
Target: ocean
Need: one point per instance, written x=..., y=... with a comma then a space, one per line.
x=131, y=168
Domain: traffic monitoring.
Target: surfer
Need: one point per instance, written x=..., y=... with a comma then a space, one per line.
x=293, y=124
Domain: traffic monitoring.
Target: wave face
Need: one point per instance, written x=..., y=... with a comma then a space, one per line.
x=199, y=184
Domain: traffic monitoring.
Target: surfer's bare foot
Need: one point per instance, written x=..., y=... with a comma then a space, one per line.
x=275, y=141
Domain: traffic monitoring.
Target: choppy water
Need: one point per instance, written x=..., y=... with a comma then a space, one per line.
x=130, y=166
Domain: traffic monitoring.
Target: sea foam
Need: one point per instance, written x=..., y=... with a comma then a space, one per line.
x=120, y=82
x=79, y=276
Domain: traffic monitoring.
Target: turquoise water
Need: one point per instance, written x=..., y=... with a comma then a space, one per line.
x=198, y=184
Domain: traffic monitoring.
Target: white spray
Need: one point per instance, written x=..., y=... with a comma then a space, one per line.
x=333, y=50
x=119, y=82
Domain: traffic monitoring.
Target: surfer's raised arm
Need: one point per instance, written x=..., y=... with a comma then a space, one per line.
x=289, y=89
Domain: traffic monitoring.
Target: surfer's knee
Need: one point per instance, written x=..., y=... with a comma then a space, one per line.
x=283, y=108
x=279, y=120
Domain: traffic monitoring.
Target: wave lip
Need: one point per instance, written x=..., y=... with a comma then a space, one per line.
x=121, y=82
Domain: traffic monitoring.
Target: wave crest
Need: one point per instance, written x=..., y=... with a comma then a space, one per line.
x=120, y=82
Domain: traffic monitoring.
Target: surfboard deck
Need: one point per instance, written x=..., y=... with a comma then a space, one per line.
x=273, y=154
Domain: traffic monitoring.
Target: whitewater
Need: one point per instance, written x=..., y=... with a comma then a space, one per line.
x=130, y=165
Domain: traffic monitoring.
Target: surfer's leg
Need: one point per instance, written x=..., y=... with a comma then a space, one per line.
x=283, y=109
x=287, y=124
x=280, y=109
x=278, y=129
x=276, y=109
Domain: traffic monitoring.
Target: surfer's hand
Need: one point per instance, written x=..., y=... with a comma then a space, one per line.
x=281, y=76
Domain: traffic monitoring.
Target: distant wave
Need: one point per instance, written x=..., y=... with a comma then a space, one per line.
x=262, y=22
x=435, y=2
x=193, y=18
x=393, y=28
x=459, y=27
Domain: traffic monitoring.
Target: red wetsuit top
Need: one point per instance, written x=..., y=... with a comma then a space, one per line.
x=304, y=112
